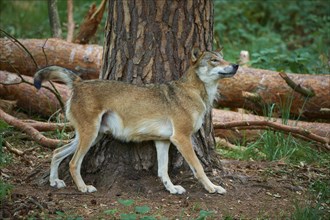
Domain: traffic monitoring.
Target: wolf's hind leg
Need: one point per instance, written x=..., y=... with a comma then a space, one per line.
x=58, y=156
x=162, y=148
x=88, y=138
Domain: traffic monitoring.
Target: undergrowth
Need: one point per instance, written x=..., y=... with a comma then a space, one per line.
x=280, y=35
x=5, y=158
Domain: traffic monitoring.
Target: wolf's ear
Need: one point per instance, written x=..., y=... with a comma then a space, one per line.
x=195, y=54
x=219, y=50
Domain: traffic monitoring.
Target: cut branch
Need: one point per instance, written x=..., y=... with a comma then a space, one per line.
x=298, y=88
x=90, y=24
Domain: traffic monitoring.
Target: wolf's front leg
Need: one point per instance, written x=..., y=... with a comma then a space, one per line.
x=184, y=145
x=162, y=148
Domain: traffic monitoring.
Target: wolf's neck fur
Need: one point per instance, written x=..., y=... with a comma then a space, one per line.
x=208, y=91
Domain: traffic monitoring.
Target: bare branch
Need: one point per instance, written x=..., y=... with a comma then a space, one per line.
x=297, y=87
x=274, y=126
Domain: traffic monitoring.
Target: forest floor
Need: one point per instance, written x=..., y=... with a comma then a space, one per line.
x=255, y=190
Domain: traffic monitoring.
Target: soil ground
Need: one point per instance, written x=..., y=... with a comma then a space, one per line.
x=255, y=190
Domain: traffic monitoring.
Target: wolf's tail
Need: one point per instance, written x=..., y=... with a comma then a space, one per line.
x=55, y=73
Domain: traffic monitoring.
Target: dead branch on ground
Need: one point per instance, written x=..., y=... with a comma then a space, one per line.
x=32, y=132
x=275, y=126
x=48, y=126
x=18, y=152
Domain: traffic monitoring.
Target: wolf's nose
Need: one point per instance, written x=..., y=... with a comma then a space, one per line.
x=235, y=66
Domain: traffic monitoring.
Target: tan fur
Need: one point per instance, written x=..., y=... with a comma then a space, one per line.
x=166, y=113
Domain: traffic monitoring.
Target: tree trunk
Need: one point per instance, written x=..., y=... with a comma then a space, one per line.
x=54, y=19
x=150, y=42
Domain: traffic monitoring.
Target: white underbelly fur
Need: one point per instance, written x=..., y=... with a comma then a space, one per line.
x=148, y=129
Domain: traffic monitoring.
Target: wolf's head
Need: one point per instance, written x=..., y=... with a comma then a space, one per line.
x=210, y=66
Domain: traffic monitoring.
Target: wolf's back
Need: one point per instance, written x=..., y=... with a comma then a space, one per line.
x=55, y=73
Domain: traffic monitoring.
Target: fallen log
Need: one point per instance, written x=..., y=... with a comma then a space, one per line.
x=252, y=89
x=45, y=103
x=84, y=59
x=257, y=90
x=29, y=98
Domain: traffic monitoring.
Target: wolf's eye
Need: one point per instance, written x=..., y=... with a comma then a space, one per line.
x=214, y=60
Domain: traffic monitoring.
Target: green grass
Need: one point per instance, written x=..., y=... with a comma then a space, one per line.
x=4, y=157
x=320, y=190
x=278, y=146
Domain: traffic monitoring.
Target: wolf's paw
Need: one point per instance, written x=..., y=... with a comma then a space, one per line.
x=177, y=189
x=217, y=189
x=57, y=183
x=87, y=189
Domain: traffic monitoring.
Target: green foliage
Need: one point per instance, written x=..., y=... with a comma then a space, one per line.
x=4, y=190
x=31, y=17
x=142, y=209
x=125, y=216
x=203, y=214
x=130, y=212
x=127, y=202
x=4, y=158
x=62, y=215
x=280, y=35
x=321, y=189
x=309, y=212
x=111, y=211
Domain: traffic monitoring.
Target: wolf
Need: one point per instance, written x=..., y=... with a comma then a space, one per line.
x=164, y=113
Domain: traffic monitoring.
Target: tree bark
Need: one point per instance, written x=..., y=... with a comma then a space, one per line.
x=54, y=19
x=150, y=42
